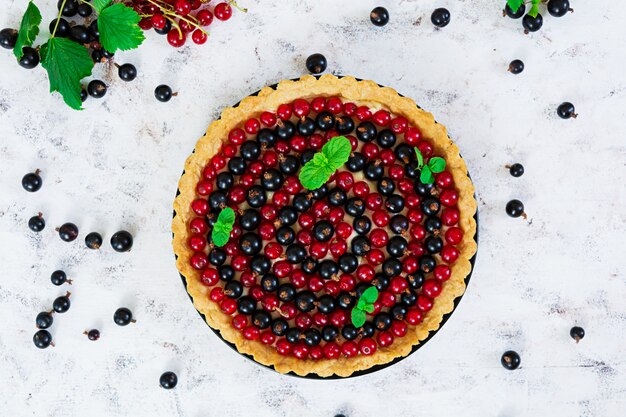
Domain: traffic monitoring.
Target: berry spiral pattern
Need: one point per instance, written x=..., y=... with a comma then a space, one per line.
x=298, y=260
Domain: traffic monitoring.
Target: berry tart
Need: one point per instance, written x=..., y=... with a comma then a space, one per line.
x=325, y=226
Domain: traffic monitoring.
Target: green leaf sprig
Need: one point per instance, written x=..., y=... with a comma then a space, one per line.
x=318, y=170
x=435, y=165
x=363, y=306
x=223, y=226
x=514, y=5
x=68, y=62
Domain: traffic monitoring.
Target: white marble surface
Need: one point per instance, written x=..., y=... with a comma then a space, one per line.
x=116, y=164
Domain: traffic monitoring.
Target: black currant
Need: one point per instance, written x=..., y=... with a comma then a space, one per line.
x=514, y=15
x=386, y=139
x=168, y=380
x=80, y=34
x=415, y=280
x=218, y=199
x=316, y=63
x=272, y=179
x=84, y=10
x=379, y=16
x=374, y=170
x=328, y=269
x=397, y=246
x=360, y=245
x=286, y=292
x=59, y=278
x=510, y=360
x=233, y=289
x=246, y=305
x=345, y=300
x=404, y=152
x=37, y=223
x=306, y=126
x=385, y=186
x=348, y=263
x=93, y=334
x=83, y=94
x=226, y=273
x=344, y=125
x=355, y=207
x=163, y=93
x=398, y=311
x=380, y=281
x=515, y=208
x=320, y=192
x=559, y=8
x=127, y=72
x=62, y=304
x=362, y=225
x=326, y=304
x=366, y=132
x=70, y=8
x=287, y=215
x=68, y=232
x=93, y=240
x=123, y=316
x=285, y=235
x=30, y=58
x=349, y=332
x=305, y=301
x=260, y=264
x=32, y=181
x=395, y=203
x=289, y=165
x=93, y=29
x=306, y=156
x=516, y=66
x=312, y=337
x=237, y=165
x=431, y=206
x=286, y=130
x=217, y=256
x=293, y=335
x=532, y=24
x=122, y=241
x=8, y=37
x=302, y=202
x=392, y=267
x=325, y=121
x=97, y=89
x=309, y=265
x=356, y=162
x=323, y=230
x=295, y=253
x=225, y=180
x=566, y=110
x=261, y=319
x=337, y=197
x=432, y=223
x=399, y=224
x=427, y=263
x=382, y=321
x=250, y=150
x=440, y=17
x=577, y=333
x=408, y=298
x=279, y=326
x=433, y=244
x=42, y=339
x=44, y=320
x=250, y=219
x=329, y=333
x=516, y=170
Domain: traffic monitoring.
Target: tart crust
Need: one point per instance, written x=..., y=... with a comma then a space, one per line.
x=361, y=93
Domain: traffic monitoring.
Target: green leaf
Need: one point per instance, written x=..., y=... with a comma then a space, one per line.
x=358, y=317
x=437, y=164
x=118, y=28
x=514, y=4
x=320, y=159
x=219, y=237
x=361, y=304
x=337, y=150
x=369, y=308
x=99, y=5
x=67, y=63
x=370, y=295
x=226, y=217
x=426, y=176
x=420, y=158
x=534, y=10
x=313, y=176
x=29, y=29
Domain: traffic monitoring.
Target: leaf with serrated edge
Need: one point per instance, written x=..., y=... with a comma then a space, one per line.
x=226, y=217
x=67, y=63
x=118, y=28
x=29, y=29
x=220, y=237
x=420, y=158
x=99, y=5
x=313, y=176
x=426, y=176
x=370, y=295
x=514, y=4
x=358, y=317
x=337, y=150
x=437, y=164
x=320, y=159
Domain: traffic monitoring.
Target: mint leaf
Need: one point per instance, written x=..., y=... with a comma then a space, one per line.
x=220, y=237
x=118, y=28
x=313, y=176
x=226, y=217
x=99, y=5
x=534, y=10
x=437, y=164
x=320, y=159
x=420, y=158
x=223, y=226
x=369, y=308
x=370, y=295
x=426, y=176
x=361, y=304
x=358, y=317
x=514, y=5
x=66, y=63
x=29, y=29
x=337, y=150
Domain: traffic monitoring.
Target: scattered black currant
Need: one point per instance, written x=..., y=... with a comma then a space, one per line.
x=122, y=241
x=510, y=360
x=62, y=28
x=80, y=34
x=59, y=278
x=316, y=63
x=515, y=208
x=37, y=223
x=32, y=181
x=516, y=66
x=559, y=8
x=68, y=232
x=70, y=7
x=93, y=240
x=379, y=16
x=84, y=10
x=123, y=317
x=96, y=89
x=83, y=95
x=168, y=380
x=44, y=320
x=62, y=304
x=516, y=170
x=42, y=339
x=577, y=333
x=8, y=37
x=127, y=72
x=164, y=93
x=566, y=110
x=30, y=59
x=93, y=334
x=532, y=24
x=440, y=17
x=514, y=15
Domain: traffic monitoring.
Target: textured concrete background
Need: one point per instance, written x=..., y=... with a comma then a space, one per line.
x=116, y=165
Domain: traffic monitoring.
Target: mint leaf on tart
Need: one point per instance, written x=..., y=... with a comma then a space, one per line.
x=223, y=226
x=364, y=305
x=318, y=170
x=29, y=29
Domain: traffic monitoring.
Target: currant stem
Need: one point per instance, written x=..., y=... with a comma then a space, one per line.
x=86, y=2
x=168, y=13
x=56, y=25
x=236, y=6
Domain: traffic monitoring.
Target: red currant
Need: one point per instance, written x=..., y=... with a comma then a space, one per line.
x=399, y=125
x=449, y=254
x=343, y=230
x=158, y=21
x=199, y=261
x=301, y=107
x=198, y=225
x=199, y=37
x=345, y=180
x=282, y=269
x=375, y=257
x=252, y=126
x=283, y=347
x=424, y=303
x=318, y=104
x=384, y=339
x=223, y=11
x=236, y=136
x=382, y=118
x=361, y=189
x=450, y=217
x=240, y=322
x=182, y=7
x=217, y=294
x=228, y=305
x=200, y=206
x=431, y=288
x=365, y=272
x=210, y=277
x=204, y=17
x=379, y=238
x=399, y=328
x=454, y=235
x=267, y=337
x=412, y=136
x=367, y=346
x=251, y=333
x=349, y=349
x=442, y=272
x=380, y=218
x=387, y=299
x=449, y=197
x=176, y=39
x=197, y=243
x=414, y=316
x=363, y=113
x=331, y=350
x=284, y=112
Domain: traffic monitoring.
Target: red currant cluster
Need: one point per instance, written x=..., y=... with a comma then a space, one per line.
x=178, y=18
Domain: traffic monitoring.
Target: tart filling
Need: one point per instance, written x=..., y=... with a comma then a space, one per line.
x=285, y=281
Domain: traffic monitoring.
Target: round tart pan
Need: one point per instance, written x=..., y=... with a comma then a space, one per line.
x=357, y=373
